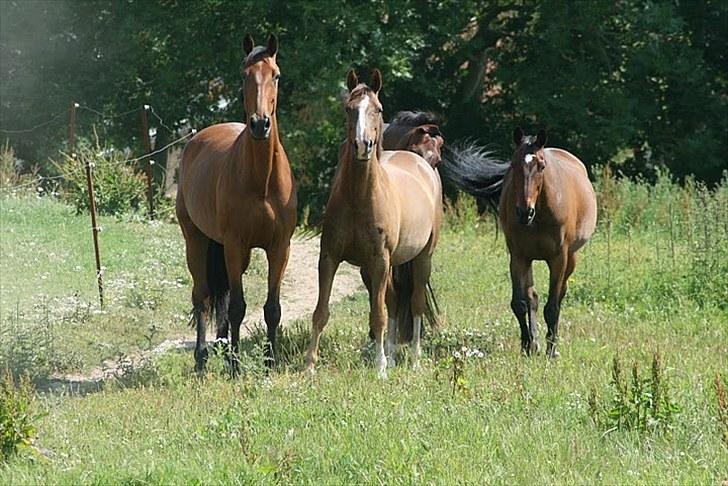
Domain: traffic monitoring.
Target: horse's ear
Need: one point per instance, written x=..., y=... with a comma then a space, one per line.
x=248, y=44
x=272, y=45
x=351, y=80
x=541, y=138
x=376, y=82
x=517, y=136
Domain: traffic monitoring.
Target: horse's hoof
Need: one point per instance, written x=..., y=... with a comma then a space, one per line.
x=382, y=374
x=391, y=363
x=416, y=365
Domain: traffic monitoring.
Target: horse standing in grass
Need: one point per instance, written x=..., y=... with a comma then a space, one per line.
x=548, y=210
x=383, y=215
x=236, y=192
x=416, y=132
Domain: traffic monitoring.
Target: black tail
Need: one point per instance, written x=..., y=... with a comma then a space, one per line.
x=217, y=278
x=403, y=280
x=475, y=170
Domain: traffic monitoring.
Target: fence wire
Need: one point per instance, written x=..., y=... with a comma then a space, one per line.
x=38, y=180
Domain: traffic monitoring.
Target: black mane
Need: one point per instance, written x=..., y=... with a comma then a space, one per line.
x=258, y=53
x=415, y=118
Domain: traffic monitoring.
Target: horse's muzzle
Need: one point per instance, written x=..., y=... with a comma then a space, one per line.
x=364, y=149
x=260, y=127
x=525, y=216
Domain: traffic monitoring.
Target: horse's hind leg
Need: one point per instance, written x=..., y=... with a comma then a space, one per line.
x=421, y=270
x=524, y=303
x=237, y=258
x=221, y=316
x=277, y=261
x=560, y=269
x=196, y=248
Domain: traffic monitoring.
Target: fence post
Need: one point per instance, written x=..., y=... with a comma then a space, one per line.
x=72, y=130
x=146, y=160
x=91, y=198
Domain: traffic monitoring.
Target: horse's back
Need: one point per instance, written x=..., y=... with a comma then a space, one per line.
x=417, y=187
x=574, y=183
x=202, y=162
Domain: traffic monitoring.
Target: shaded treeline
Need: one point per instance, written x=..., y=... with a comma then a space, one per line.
x=638, y=84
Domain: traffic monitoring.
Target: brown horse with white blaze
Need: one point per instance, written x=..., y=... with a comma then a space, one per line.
x=236, y=192
x=548, y=210
x=383, y=215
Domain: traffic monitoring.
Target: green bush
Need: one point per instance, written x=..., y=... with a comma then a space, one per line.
x=118, y=187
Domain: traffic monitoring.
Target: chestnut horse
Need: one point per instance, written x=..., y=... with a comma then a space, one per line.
x=417, y=132
x=383, y=215
x=548, y=210
x=236, y=192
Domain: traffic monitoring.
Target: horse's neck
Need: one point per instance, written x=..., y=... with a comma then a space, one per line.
x=362, y=181
x=258, y=162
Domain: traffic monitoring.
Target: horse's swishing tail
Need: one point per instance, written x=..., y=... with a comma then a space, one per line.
x=475, y=170
x=218, y=285
x=403, y=282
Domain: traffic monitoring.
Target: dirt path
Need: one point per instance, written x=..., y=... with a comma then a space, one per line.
x=298, y=299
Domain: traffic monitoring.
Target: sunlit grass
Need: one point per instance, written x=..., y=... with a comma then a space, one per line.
x=513, y=420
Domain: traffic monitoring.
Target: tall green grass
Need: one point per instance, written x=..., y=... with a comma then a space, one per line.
x=643, y=286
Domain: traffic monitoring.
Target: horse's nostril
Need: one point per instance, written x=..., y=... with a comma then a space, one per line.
x=531, y=212
x=267, y=123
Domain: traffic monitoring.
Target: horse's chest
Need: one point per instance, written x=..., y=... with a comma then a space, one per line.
x=535, y=242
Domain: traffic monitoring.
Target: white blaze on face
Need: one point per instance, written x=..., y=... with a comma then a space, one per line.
x=529, y=158
x=361, y=126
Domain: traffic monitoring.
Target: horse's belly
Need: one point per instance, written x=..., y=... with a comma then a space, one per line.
x=411, y=243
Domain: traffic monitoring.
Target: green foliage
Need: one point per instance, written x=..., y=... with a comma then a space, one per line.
x=17, y=418
x=118, y=187
x=640, y=84
x=644, y=404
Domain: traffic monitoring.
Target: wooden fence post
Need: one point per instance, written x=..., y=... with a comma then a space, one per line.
x=146, y=160
x=91, y=198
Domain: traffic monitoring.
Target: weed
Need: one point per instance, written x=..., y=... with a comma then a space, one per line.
x=17, y=419
x=12, y=177
x=722, y=405
x=641, y=404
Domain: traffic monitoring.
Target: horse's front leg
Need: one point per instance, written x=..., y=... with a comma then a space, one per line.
x=277, y=261
x=524, y=303
x=327, y=267
x=560, y=268
x=379, y=271
x=237, y=258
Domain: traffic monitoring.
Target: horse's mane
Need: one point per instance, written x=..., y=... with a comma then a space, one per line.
x=258, y=53
x=415, y=118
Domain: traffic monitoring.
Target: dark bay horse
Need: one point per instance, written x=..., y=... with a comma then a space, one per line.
x=548, y=210
x=236, y=192
x=383, y=215
x=417, y=132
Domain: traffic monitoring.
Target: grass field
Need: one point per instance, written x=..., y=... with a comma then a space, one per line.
x=654, y=278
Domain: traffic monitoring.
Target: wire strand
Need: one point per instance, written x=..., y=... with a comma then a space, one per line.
x=32, y=129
